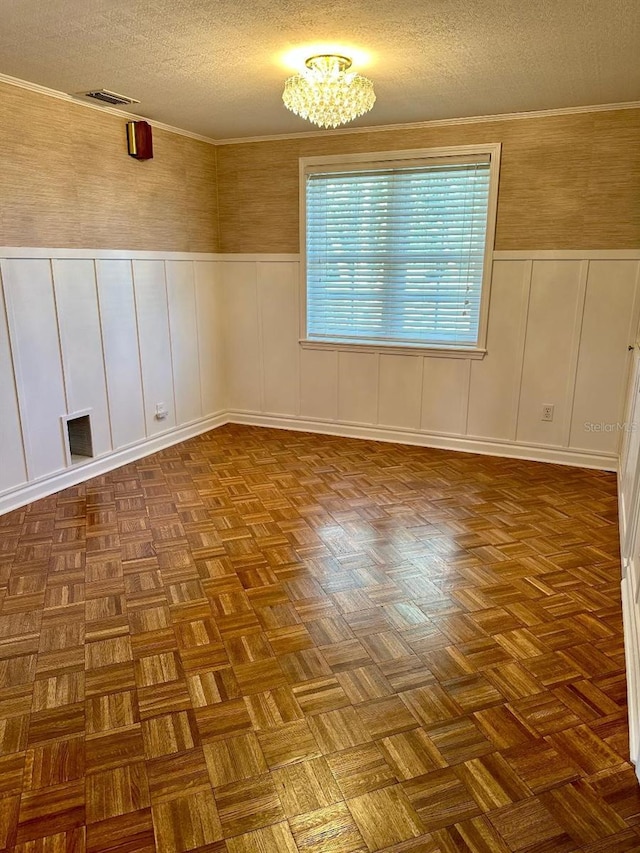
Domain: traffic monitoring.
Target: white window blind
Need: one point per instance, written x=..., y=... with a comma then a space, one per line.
x=396, y=254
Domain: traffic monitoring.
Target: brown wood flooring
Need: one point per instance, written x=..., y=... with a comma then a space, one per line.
x=269, y=642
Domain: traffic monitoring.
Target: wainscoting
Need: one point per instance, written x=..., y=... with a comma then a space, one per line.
x=629, y=517
x=109, y=334
x=560, y=324
x=215, y=339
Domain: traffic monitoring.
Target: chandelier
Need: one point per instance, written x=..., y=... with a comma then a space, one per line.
x=326, y=94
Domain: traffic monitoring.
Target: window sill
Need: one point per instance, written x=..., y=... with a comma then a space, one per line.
x=429, y=350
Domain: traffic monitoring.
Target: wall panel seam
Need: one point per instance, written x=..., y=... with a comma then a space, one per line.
x=576, y=342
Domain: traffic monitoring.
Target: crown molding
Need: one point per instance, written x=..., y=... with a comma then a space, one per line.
x=64, y=96
x=311, y=134
x=444, y=122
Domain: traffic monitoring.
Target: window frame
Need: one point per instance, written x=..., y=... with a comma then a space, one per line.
x=345, y=162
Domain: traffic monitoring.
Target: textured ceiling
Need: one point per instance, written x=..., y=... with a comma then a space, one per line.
x=215, y=67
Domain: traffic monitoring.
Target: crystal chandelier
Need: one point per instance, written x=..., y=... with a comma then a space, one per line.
x=326, y=94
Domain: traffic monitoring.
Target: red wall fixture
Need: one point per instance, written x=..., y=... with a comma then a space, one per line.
x=139, y=140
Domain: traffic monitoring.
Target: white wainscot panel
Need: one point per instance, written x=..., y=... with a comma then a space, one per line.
x=629, y=465
x=358, y=387
x=13, y=470
x=550, y=350
x=608, y=328
x=319, y=384
x=121, y=354
x=181, y=296
x=495, y=380
x=155, y=348
x=81, y=341
x=242, y=342
x=36, y=352
x=210, y=342
x=400, y=391
x=278, y=297
x=445, y=388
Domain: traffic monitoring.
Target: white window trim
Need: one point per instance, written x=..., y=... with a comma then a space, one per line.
x=330, y=162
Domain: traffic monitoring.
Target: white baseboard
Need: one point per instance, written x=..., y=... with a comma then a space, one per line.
x=630, y=617
x=41, y=488
x=36, y=489
x=465, y=444
x=622, y=521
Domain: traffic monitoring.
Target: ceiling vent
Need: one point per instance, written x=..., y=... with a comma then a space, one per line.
x=107, y=97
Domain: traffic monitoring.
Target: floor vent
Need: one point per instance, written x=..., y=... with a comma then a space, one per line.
x=79, y=437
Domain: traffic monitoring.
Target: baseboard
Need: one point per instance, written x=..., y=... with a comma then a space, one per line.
x=32, y=491
x=36, y=489
x=630, y=621
x=632, y=663
x=465, y=444
x=622, y=521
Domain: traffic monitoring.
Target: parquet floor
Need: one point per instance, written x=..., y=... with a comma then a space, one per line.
x=269, y=642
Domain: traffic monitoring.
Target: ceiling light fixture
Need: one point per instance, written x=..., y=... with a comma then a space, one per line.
x=326, y=94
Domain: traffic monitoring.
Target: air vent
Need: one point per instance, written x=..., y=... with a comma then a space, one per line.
x=107, y=97
x=78, y=437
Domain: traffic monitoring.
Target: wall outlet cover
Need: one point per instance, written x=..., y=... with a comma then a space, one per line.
x=547, y=412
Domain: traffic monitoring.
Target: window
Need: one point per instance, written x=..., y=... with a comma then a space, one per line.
x=398, y=248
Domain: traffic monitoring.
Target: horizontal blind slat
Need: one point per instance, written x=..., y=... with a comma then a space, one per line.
x=397, y=254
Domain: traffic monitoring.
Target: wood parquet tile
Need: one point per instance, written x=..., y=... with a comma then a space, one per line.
x=268, y=642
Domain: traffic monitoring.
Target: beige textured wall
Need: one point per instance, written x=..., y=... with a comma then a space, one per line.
x=66, y=181
x=567, y=182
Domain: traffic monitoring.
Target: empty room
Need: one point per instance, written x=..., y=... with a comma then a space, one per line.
x=320, y=426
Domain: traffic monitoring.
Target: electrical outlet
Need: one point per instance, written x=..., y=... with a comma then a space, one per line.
x=161, y=411
x=547, y=413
